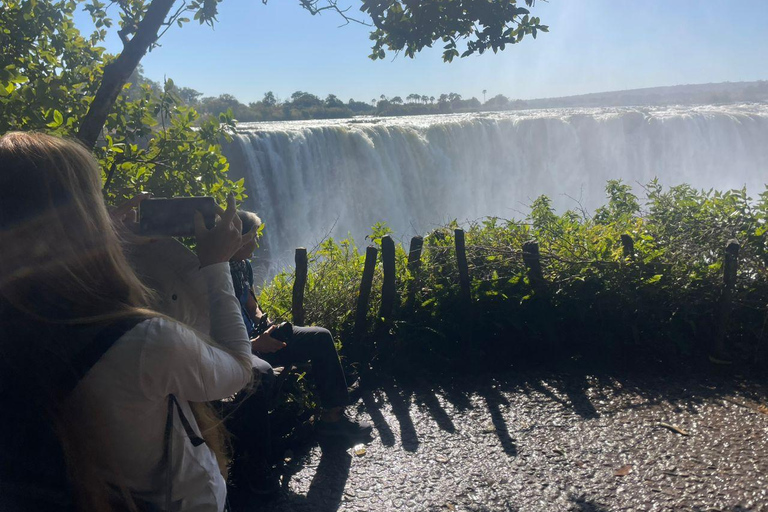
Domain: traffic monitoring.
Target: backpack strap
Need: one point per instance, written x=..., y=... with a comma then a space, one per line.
x=168, y=455
x=82, y=362
x=168, y=442
x=193, y=437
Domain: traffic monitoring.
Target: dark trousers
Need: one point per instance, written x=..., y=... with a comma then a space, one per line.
x=249, y=420
x=315, y=345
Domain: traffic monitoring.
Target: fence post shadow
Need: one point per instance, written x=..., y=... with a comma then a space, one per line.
x=574, y=392
x=428, y=397
x=400, y=408
x=458, y=397
x=575, y=387
x=325, y=491
x=494, y=400
x=379, y=421
x=583, y=505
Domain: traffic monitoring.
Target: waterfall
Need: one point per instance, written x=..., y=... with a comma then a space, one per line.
x=311, y=179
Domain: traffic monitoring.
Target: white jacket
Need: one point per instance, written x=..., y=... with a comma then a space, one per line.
x=129, y=387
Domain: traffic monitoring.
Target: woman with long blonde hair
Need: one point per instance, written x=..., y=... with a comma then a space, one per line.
x=64, y=286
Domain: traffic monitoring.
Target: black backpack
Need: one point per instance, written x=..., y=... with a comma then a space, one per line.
x=33, y=473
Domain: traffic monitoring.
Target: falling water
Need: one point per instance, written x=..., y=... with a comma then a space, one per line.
x=312, y=179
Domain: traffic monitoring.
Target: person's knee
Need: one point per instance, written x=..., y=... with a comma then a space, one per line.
x=325, y=338
x=324, y=333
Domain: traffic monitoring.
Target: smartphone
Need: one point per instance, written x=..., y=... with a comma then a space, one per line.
x=175, y=216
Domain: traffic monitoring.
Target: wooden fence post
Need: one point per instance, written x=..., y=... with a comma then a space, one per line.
x=414, y=264
x=388, y=298
x=628, y=246
x=730, y=267
x=461, y=260
x=466, y=297
x=630, y=315
x=299, y=283
x=532, y=261
x=414, y=254
x=388, y=287
x=361, y=313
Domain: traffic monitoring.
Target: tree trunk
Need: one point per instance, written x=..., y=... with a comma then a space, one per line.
x=116, y=73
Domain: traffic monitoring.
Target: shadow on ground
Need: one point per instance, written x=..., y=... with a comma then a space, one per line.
x=425, y=423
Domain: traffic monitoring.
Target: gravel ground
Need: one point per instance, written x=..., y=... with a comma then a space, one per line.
x=540, y=442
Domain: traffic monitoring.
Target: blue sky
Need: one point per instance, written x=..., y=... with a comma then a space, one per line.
x=592, y=46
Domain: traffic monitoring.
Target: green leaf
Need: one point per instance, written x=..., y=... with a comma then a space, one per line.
x=58, y=120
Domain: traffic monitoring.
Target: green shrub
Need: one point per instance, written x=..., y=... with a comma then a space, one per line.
x=659, y=303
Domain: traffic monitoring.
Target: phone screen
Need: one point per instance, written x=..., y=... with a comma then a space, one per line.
x=175, y=216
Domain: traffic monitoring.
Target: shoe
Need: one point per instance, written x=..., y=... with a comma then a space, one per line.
x=345, y=427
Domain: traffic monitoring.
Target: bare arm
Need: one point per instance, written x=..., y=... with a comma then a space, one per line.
x=252, y=307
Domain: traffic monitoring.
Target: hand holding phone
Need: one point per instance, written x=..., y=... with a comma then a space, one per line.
x=175, y=216
x=126, y=214
x=266, y=343
x=220, y=243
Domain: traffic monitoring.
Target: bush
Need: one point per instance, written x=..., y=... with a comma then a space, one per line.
x=659, y=303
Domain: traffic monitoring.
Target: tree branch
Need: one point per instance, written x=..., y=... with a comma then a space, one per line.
x=116, y=73
x=110, y=175
x=168, y=24
x=313, y=8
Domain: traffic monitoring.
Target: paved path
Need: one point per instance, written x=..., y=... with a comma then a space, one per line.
x=542, y=442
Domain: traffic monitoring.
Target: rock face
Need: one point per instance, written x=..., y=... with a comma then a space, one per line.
x=311, y=179
x=541, y=442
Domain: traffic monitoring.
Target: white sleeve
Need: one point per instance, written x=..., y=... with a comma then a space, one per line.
x=175, y=360
x=227, y=327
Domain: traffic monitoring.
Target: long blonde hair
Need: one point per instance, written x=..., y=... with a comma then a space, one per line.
x=62, y=262
x=57, y=238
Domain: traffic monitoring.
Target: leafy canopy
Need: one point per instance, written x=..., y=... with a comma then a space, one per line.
x=46, y=66
x=411, y=25
x=49, y=73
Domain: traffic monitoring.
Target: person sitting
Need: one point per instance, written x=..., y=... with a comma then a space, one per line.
x=306, y=344
x=117, y=388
